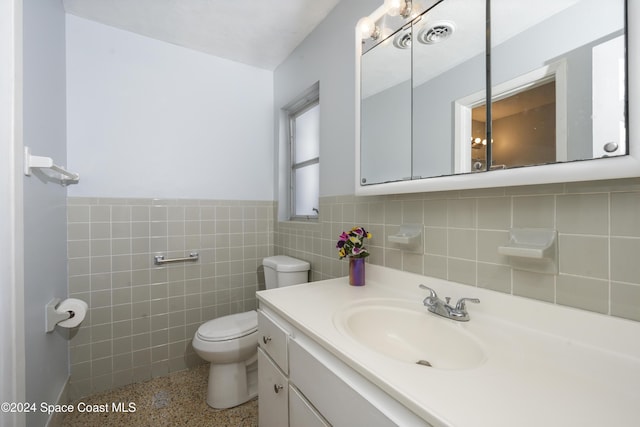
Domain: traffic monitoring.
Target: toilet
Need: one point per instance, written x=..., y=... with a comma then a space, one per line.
x=230, y=343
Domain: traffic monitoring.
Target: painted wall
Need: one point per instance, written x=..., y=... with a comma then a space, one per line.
x=45, y=272
x=150, y=119
x=327, y=56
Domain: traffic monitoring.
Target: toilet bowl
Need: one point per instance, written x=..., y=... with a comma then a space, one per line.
x=230, y=343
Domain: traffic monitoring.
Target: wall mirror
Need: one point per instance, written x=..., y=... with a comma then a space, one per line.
x=553, y=96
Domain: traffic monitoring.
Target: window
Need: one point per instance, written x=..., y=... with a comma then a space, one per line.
x=304, y=137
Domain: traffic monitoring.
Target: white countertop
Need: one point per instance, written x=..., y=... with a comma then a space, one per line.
x=546, y=365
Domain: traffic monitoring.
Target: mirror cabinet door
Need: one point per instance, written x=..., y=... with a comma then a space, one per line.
x=448, y=64
x=558, y=81
x=558, y=89
x=385, y=126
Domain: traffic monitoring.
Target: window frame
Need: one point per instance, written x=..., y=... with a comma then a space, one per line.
x=299, y=109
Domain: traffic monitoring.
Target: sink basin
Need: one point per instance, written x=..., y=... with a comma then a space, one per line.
x=408, y=333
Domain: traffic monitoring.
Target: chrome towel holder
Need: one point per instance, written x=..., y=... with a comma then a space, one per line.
x=159, y=259
x=31, y=161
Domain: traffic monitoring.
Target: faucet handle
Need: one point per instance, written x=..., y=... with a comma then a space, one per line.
x=460, y=305
x=432, y=293
x=432, y=299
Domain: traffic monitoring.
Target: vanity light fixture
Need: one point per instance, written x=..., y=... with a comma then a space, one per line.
x=398, y=7
x=368, y=28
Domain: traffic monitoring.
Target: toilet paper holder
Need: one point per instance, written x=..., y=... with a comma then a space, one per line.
x=52, y=317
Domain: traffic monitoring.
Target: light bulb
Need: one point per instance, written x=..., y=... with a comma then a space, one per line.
x=393, y=6
x=484, y=142
x=477, y=141
x=366, y=26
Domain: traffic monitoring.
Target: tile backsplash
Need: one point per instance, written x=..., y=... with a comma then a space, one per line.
x=598, y=226
x=142, y=317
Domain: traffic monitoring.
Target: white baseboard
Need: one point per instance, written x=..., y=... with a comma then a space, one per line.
x=55, y=419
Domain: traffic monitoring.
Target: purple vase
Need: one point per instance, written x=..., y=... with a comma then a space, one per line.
x=356, y=271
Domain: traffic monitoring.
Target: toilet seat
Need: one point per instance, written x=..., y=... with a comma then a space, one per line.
x=229, y=327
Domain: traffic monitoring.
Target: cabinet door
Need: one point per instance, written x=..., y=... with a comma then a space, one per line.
x=342, y=397
x=273, y=340
x=273, y=391
x=302, y=413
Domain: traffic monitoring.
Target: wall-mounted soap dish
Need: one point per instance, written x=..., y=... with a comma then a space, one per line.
x=409, y=237
x=532, y=249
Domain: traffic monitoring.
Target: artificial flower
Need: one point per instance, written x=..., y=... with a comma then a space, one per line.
x=350, y=244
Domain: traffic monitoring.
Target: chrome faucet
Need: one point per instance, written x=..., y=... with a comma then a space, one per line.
x=442, y=308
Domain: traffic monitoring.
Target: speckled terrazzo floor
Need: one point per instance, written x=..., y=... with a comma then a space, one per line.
x=176, y=400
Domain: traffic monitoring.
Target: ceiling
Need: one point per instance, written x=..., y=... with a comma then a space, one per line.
x=260, y=33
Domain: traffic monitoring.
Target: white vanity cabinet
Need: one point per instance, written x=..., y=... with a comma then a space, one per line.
x=335, y=373
x=280, y=403
x=273, y=367
x=273, y=390
x=302, y=413
x=303, y=385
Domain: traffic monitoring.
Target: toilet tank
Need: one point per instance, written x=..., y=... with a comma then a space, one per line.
x=282, y=270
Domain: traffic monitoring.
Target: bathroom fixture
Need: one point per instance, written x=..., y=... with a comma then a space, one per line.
x=403, y=331
x=31, y=161
x=368, y=28
x=442, y=308
x=230, y=343
x=159, y=259
x=532, y=249
x=521, y=346
x=409, y=237
x=398, y=7
x=68, y=313
x=442, y=72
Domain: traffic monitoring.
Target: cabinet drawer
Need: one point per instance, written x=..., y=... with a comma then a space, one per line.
x=302, y=413
x=273, y=340
x=273, y=391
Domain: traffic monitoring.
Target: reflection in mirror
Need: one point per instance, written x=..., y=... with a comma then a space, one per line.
x=585, y=112
x=528, y=127
x=448, y=63
x=523, y=131
x=385, y=127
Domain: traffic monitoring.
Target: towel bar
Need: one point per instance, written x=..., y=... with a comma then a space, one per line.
x=159, y=259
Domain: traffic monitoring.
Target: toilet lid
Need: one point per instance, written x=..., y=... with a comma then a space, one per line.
x=229, y=327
